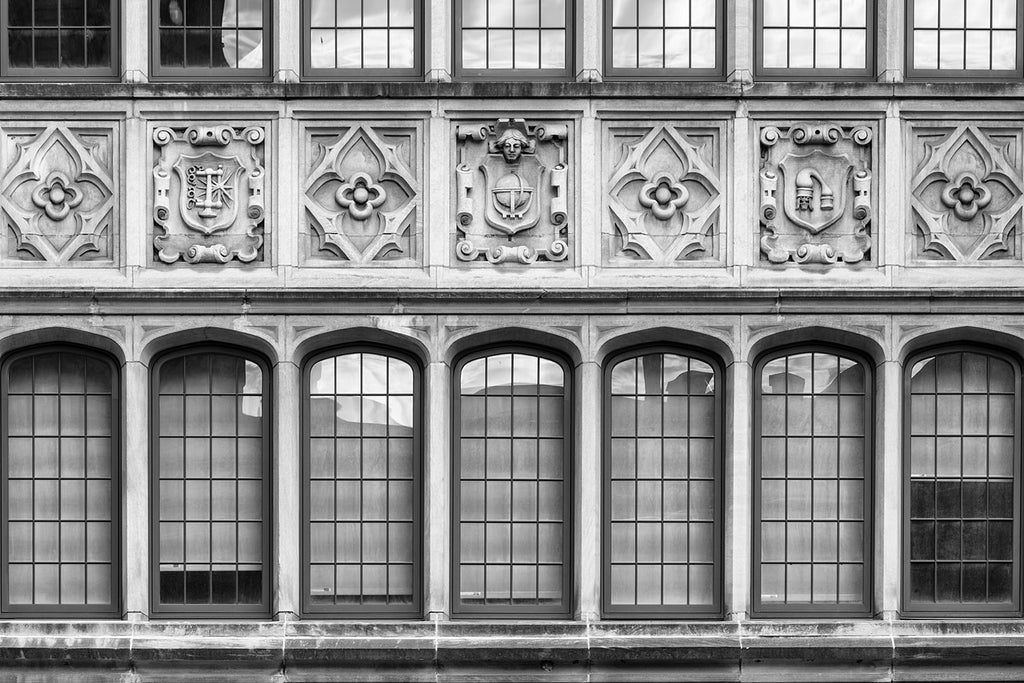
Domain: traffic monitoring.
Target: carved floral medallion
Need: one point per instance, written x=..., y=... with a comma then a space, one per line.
x=816, y=193
x=512, y=192
x=208, y=202
x=58, y=193
x=664, y=194
x=362, y=195
x=967, y=193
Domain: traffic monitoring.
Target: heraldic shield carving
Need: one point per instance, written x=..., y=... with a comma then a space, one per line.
x=208, y=194
x=512, y=187
x=821, y=174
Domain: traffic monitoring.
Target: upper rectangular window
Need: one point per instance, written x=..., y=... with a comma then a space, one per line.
x=520, y=39
x=60, y=39
x=359, y=39
x=976, y=38
x=663, y=38
x=211, y=39
x=798, y=39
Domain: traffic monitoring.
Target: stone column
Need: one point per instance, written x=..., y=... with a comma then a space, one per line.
x=287, y=491
x=739, y=40
x=437, y=37
x=437, y=491
x=135, y=41
x=287, y=35
x=136, y=551
x=589, y=27
x=588, y=495
x=889, y=480
x=738, y=487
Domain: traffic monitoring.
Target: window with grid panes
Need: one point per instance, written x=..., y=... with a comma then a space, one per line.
x=815, y=38
x=977, y=38
x=661, y=38
x=662, y=490
x=961, y=534
x=60, y=39
x=211, y=38
x=362, y=38
x=812, y=495
x=60, y=487
x=513, y=38
x=211, y=477
x=512, y=483
x=362, y=492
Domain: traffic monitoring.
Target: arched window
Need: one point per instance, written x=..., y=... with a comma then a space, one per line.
x=662, y=547
x=211, y=483
x=812, y=484
x=512, y=476
x=961, y=495
x=361, y=484
x=61, y=461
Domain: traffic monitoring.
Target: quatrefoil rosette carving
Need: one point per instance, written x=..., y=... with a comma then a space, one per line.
x=362, y=197
x=664, y=195
x=57, y=194
x=816, y=186
x=208, y=201
x=967, y=194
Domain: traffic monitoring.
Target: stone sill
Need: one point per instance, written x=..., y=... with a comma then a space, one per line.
x=632, y=90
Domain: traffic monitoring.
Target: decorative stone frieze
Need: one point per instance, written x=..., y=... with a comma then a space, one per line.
x=513, y=192
x=966, y=193
x=362, y=196
x=208, y=193
x=817, y=196
x=58, y=193
x=664, y=194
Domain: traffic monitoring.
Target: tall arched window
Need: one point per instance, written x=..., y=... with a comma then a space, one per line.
x=662, y=547
x=812, y=484
x=211, y=484
x=361, y=484
x=61, y=530
x=512, y=476
x=961, y=495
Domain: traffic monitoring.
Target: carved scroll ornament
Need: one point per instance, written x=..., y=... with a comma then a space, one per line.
x=820, y=174
x=512, y=192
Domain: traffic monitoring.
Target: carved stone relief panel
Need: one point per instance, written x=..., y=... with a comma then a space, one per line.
x=966, y=192
x=208, y=193
x=513, y=192
x=817, y=192
x=664, y=194
x=59, y=193
x=362, y=194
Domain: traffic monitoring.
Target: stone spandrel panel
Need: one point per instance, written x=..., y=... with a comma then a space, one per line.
x=513, y=192
x=966, y=192
x=362, y=196
x=208, y=194
x=817, y=192
x=664, y=194
x=59, y=193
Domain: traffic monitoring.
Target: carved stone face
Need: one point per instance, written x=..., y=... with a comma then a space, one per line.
x=511, y=146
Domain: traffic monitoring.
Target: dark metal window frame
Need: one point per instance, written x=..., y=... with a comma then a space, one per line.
x=952, y=609
x=194, y=611
x=201, y=73
x=961, y=74
x=415, y=610
x=513, y=74
x=310, y=73
x=716, y=609
x=116, y=462
x=612, y=73
x=865, y=608
x=39, y=73
x=562, y=610
x=817, y=74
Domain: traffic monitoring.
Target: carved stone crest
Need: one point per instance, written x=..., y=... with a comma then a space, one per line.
x=664, y=194
x=362, y=196
x=208, y=199
x=57, y=193
x=967, y=193
x=512, y=184
x=822, y=175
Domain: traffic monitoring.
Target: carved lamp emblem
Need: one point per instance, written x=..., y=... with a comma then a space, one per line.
x=966, y=196
x=57, y=196
x=663, y=196
x=360, y=195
